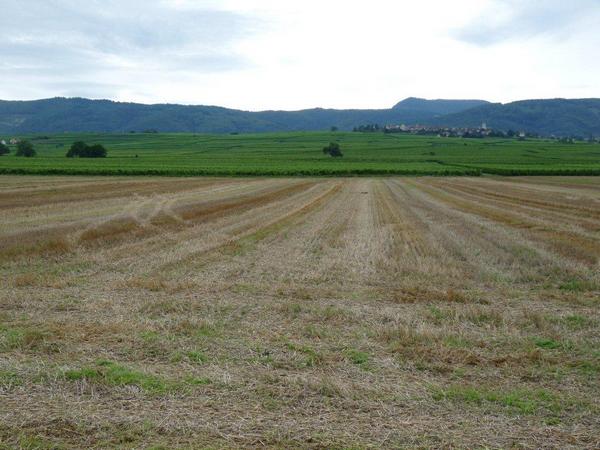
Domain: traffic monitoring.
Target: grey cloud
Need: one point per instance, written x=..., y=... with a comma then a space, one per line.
x=59, y=40
x=524, y=19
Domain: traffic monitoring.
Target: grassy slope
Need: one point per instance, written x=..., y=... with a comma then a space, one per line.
x=300, y=154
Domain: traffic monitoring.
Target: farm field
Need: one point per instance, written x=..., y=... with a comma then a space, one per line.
x=293, y=154
x=419, y=312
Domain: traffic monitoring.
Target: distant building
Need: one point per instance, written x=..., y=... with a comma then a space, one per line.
x=3, y=142
x=14, y=141
x=478, y=132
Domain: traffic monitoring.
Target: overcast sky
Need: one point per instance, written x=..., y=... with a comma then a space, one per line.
x=292, y=54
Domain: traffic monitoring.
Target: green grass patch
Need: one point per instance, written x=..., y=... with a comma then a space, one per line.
x=9, y=379
x=22, y=338
x=548, y=344
x=311, y=356
x=207, y=330
x=196, y=357
x=577, y=286
x=198, y=381
x=457, y=342
x=438, y=315
x=577, y=322
x=521, y=401
x=357, y=357
x=114, y=374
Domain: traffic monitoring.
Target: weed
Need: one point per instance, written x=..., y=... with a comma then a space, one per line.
x=312, y=357
x=196, y=357
x=357, y=357
x=548, y=344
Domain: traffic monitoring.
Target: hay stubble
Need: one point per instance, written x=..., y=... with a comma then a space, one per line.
x=392, y=312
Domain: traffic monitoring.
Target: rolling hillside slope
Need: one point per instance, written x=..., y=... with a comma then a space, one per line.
x=558, y=117
x=58, y=115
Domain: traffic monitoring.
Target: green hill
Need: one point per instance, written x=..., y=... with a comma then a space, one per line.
x=436, y=107
x=560, y=117
x=58, y=115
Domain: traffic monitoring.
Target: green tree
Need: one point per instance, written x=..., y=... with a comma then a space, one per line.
x=96, y=151
x=333, y=150
x=4, y=150
x=76, y=149
x=25, y=148
x=82, y=150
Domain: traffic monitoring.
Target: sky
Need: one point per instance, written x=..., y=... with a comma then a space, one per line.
x=295, y=54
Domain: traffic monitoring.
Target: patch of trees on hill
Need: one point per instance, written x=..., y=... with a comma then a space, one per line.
x=82, y=150
x=370, y=128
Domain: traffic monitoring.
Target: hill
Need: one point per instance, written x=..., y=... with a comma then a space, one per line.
x=58, y=115
x=560, y=117
x=437, y=107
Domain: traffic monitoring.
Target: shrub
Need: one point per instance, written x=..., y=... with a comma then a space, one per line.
x=25, y=148
x=4, y=150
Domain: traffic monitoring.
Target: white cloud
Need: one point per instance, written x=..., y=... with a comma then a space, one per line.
x=268, y=54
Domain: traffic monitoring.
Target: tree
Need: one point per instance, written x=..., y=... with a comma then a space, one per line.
x=25, y=148
x=333, y=150
x=334, y=129
x=77, y=148
x=4, y=150
x=96, y=151
x=82, y=150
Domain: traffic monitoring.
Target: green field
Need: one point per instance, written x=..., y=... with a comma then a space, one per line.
x=284, y=154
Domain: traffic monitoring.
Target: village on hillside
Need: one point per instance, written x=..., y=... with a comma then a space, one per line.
x=465, y=132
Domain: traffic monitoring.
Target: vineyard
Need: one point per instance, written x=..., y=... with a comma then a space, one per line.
x=300, y=154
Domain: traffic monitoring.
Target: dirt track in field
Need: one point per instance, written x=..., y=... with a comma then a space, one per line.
x=319, y=313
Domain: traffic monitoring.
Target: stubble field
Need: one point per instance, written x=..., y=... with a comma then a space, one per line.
x=315, y=313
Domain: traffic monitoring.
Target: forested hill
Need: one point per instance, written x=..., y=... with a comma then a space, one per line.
x=77, y=114
x=559, y=117
x=437, y=107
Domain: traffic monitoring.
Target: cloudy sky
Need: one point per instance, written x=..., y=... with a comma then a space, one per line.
x=292, y=54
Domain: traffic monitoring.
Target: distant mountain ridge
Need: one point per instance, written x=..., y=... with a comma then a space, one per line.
x=437, y=107
x=78, y=114
x=57, y=115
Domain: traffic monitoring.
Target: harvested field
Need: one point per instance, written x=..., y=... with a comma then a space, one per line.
x=313, y=313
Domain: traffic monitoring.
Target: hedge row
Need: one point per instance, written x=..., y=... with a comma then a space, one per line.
x=541, y=172
x=238, y=173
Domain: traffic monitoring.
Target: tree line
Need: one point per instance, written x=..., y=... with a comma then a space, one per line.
x=78, y=149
